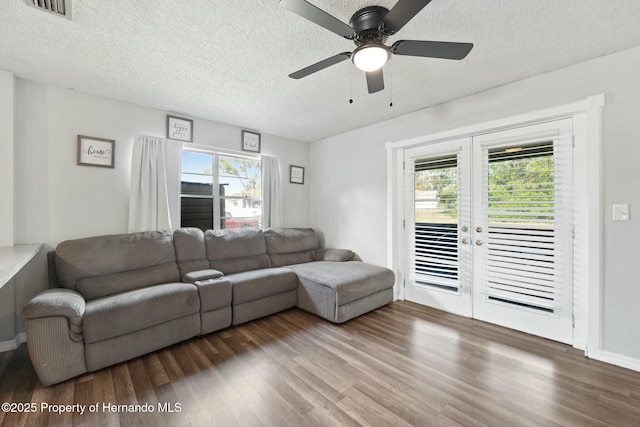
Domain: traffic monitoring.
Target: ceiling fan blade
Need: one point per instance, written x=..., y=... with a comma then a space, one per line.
x=402, y=13
x=319, y=16
x=375, y=81
x=320, y=65
x=431, y=49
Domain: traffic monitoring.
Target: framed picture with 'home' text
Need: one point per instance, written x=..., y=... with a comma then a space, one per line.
x=94, y=151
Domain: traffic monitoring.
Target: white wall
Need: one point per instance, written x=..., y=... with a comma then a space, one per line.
x=7, y=85
x=348, y=173
x=58, y=200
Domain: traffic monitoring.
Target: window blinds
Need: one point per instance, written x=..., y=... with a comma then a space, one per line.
x=526, y=193
x=433, y=226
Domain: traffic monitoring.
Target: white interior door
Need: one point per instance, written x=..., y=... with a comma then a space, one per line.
x=523, y=243
x=438, y=224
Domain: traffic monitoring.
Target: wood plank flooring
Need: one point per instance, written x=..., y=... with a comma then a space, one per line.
x=401, y=365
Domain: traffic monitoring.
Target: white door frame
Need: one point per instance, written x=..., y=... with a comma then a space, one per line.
x=587, y=120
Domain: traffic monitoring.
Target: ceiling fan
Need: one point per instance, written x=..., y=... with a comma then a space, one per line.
x=369, y=28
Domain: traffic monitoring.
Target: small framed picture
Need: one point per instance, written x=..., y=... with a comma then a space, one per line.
x=296, y=174
x=94, y=151
x=250, y=141
x=179, y=128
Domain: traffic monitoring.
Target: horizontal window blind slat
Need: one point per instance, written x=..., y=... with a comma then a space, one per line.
x=546, y=285
x=435, y=260
x=524, y=299
x=520, y=263
x=437, y=280
x=523, y=294
x=507, y=256
x=520, y=269
x=538, y=237
x=521, y=245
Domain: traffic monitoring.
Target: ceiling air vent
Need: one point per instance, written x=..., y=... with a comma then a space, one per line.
x=58, y=7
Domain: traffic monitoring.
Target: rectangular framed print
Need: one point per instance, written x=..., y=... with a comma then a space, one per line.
x=296, y=174
x=94, y=151
x=250, y=141
x=179, y=128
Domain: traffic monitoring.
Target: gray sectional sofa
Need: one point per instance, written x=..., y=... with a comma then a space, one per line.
x=114, y=298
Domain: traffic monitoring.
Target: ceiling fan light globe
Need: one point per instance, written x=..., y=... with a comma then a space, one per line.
x=370, y=57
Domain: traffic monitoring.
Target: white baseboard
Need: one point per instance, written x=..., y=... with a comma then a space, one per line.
x=14, y=343
x=616, y=359
x=579, y=344
x=8, y=345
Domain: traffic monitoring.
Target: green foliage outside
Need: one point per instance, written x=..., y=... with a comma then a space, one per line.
x=517, y=185
x=248, y=171
x=522, y=185
x=445, y=183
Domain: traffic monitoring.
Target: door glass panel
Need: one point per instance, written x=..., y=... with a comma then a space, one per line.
x=521, y=237
x=436, y=222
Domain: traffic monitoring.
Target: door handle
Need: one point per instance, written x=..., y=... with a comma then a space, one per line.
x=479, y=229
x=465, y=241
x=479, y=242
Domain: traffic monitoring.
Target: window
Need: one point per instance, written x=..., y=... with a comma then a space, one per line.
x=220, y=191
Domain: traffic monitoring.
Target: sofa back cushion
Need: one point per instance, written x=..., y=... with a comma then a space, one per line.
x=288, y=246
x=106, y=265
x=191, y=252
x=236, y=250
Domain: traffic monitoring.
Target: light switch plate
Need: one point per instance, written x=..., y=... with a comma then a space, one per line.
x=621, y=212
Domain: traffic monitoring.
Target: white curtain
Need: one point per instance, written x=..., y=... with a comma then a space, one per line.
x=154, y=201
x=271, y=193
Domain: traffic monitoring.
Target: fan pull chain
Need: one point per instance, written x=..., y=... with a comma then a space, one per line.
x=390, y=86
x=350, y=85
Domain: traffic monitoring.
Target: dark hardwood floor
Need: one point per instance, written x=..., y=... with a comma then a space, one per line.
x=401, y=365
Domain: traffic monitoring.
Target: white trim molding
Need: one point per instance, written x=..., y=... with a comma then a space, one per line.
x=10, y=345
x=616, y=359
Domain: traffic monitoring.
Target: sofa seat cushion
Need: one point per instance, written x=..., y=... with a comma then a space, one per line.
x=256, y=284
x=351, y=280
x=135, y=310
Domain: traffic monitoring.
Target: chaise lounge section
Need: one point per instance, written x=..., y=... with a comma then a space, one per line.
x=118, y=297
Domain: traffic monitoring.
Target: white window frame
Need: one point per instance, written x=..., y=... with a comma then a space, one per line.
x=216, y=153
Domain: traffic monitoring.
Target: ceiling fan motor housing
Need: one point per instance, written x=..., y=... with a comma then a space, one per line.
x=366, y=23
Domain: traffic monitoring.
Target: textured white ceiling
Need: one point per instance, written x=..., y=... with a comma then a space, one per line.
x=228, y=60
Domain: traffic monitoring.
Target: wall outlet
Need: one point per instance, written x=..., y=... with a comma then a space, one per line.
x=621, y=212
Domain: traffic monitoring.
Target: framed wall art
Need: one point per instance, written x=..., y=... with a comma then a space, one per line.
x=296, y=174
x=250, y=141
x=94, y=151
x=179, y=128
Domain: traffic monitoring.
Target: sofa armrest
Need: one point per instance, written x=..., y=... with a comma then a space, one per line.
x=337, y=255
x=53, y=323
x=200, y=275
x=55, y=302
x=58, y=303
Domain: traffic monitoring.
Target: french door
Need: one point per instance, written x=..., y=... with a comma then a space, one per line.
x=488, y=225
x=438, y=224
